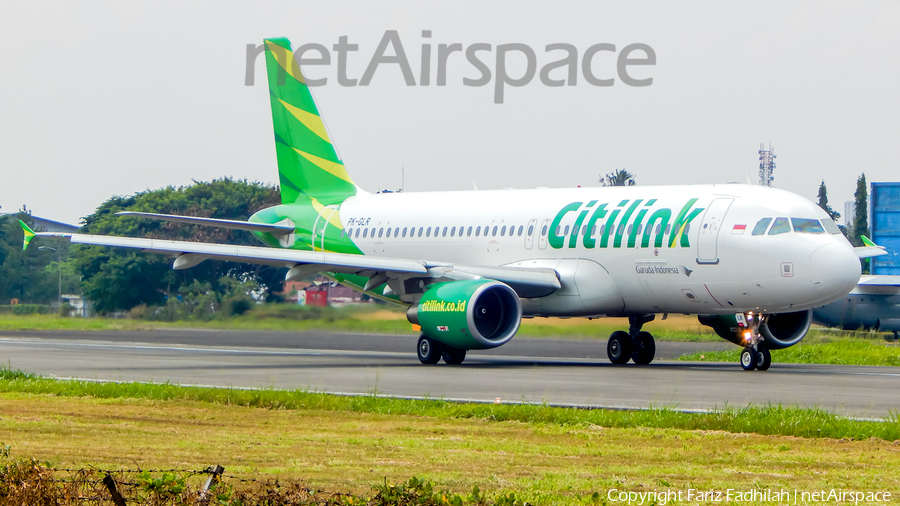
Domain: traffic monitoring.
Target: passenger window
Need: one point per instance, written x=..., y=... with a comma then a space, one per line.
x=357, y=234
x=687, y=228
x=521, y=229
x=420, y=231
x=640, y=228
x=365, y=233
x=761, y=226
x=428, y=232
x=594, y=230
x=453, y=232
x=781, y=226
x=658, y=228
x=629, y=229
x=503, y=231
x=620, y=229
x=830, y=227
x=668, y=229
x=477, y=231
x=388, y=233
x=602, y=228
x=469, y=232
x=566, y=231
x=544, y=230
x=404, y=231
x=807, y=226
x=494, y=233
x=380, y=231
x=397, y=232
x=558, y=229
x=445, y=232
x=530, y=229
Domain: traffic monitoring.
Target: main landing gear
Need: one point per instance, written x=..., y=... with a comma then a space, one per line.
x=431, y=352
x=634, y=345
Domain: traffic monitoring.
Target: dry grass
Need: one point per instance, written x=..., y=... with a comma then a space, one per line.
x=351, y=452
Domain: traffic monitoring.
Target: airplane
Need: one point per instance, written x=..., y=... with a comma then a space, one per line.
x=751, y=261
x=874, y=304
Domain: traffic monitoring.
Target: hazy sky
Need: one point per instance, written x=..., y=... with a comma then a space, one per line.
x=112, y=98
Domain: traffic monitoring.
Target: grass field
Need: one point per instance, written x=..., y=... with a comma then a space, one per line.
x=349, y=444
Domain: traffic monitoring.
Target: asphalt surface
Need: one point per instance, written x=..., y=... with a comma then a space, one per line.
x=553, y=371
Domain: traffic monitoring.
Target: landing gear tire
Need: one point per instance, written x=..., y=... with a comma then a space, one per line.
x=429, y=350
x=764, y=358
x=618, y=349
x=644, y=349
x=749, y=358
x=453, y=356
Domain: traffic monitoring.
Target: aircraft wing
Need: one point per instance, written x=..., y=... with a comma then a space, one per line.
x=234, y=224
x=883, y=284
x=526, y=281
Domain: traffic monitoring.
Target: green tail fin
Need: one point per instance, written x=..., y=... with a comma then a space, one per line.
x=307, y=161
x=29, y=234
x=867, y=241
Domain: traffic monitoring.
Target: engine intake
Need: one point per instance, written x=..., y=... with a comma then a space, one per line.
x=472, y=315
x=780, y=330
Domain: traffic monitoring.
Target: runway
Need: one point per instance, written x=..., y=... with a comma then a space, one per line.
x=557, y=372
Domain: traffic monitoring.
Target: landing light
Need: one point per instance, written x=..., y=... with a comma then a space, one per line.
x=747, y=336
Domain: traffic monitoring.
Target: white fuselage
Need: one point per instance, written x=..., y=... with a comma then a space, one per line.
x=719, y=266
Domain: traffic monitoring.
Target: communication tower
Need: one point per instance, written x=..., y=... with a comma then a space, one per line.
x=766, y=165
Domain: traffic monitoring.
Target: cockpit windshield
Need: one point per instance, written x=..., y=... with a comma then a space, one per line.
x=807, y=226
x=830, y=227
x=781, y=226
x=801, y=225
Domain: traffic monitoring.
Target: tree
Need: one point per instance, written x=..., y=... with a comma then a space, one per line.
x=823, y=202
x=118, y=280
x=860, y=225
x=620, y=177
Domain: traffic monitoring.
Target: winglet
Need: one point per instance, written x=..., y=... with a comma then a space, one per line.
x=29, y=234
x=867, y=241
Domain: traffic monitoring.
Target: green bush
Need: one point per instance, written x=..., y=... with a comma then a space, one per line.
x=22, y=309
x=236, y=305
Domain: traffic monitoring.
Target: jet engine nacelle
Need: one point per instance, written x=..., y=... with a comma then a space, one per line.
x=472, y=315
x=780, y=330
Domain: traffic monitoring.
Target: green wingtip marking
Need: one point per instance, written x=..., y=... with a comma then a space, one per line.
x=867, y=241
x=29, y=234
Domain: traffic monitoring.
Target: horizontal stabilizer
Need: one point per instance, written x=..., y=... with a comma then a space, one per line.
x=233, y=224
x=870, y=249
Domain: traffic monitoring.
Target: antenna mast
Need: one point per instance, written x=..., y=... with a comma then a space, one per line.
x=767, y=165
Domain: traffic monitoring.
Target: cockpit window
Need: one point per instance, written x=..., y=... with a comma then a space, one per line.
x=781, y=226
x=807, y=226
x=830, y=227
x=761, y=226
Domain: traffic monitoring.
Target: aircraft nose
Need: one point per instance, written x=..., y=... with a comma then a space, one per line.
x=834, y=268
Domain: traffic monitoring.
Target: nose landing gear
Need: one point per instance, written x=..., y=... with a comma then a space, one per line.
x=633, y=345
x=755, y=354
